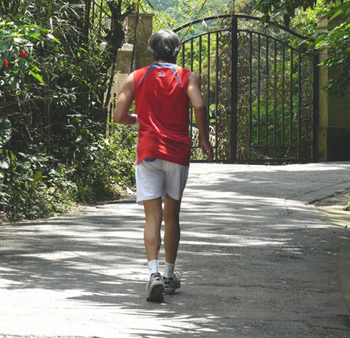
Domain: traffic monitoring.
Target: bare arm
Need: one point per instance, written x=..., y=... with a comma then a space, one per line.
x=126, y=97
x=200, y=112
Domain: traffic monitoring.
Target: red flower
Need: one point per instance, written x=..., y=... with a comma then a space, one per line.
x=23, y=54
x=6, y=64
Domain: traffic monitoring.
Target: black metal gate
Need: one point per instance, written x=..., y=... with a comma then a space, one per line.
x=259, y=84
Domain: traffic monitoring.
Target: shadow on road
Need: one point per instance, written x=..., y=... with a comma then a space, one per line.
x=255, y=260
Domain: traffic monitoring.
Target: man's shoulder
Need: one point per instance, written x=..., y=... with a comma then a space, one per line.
x=142, y=70
x=184, y=71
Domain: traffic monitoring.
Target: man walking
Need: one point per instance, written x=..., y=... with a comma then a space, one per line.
x=162, y=92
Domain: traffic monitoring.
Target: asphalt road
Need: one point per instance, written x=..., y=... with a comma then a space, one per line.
x=258, y=259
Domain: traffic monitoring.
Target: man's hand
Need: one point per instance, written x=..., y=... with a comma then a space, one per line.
x=207, y=150
x=126, y=97
x=200, y=112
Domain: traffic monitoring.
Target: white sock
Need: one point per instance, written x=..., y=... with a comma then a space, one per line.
x=169, y=270
x=153, y=266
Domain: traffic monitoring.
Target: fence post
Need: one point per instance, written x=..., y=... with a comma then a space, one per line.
x=128, y=58
x=234, y=88
x=334, y=118
x=139, y=30
x=315, y=98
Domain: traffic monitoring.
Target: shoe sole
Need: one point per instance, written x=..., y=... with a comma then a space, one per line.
x=169, y=291
x=156, y=294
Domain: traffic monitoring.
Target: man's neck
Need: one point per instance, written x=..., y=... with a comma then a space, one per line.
x=162, y=61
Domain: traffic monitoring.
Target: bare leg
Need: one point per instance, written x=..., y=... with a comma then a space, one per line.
x=152, y=239
x=172, y=228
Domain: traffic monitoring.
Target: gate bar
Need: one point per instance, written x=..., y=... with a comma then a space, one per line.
x=315, y=116
x=275, y=94
x=291, y=100
x=237, y=16
x=208, y=89
x=267, y=94
x=250, y=94
x=216, y=95
x=234, y=89
x=259, y=78
x=283, y=93
x=299, y=107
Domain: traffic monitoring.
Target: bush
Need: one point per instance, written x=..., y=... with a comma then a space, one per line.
x=33, y=186
x=107, y=171
x=54, y=151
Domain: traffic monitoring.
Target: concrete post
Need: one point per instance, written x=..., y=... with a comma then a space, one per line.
x=334, y=120
x=142, y=23
x=124, y=59
x=129, y=59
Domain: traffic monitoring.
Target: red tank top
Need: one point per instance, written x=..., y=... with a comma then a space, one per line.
x=162, y=109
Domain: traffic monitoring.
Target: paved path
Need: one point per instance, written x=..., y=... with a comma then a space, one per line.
x=258, y=260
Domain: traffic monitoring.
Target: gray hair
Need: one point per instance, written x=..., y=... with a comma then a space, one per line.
x=164, y=45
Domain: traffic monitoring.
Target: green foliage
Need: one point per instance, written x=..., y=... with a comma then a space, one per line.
x=106, y=169
x=5, y=131
x=347, y=207
x=335, y=39
x=332, y=37
x=172, y=13
x=29, y=187
x=33, y=189
x=54, y=151
x=13, y=39
x=272, y=9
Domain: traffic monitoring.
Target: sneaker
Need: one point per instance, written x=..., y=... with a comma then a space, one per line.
x=155, y=288
x=171, y=284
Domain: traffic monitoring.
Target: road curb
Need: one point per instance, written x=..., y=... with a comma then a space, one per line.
x=343, y=267
x=332, y=210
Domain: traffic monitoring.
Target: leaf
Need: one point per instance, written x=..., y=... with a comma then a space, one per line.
x=34, y=66
x=339, y=12
x=35, y=35
x=18, y=40
x=37, y=177
x=322, y=44
x=50, y=36
x=4, y=163
x=5, y=131
x=4, y=47
x=37, y=76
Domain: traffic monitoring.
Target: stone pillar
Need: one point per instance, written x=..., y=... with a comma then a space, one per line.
x=128, y=59
x=143, y=26
x=124, y=59
x=334, y=121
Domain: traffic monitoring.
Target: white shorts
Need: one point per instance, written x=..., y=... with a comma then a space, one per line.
x=160, y=178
